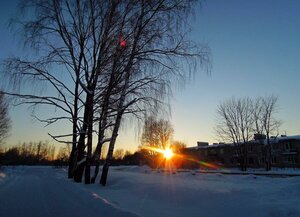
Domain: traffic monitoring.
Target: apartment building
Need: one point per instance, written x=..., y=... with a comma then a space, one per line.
x=285, y=152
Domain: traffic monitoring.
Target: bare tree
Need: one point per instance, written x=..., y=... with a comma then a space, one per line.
x=63, y=154
x=117, y=57
x=157, y=135
x=258, y=127
x=178, y=146
x=235, y=124
x=4, y=118
x=269, y=124
x=119, y=154
x=235, y=120
x=60, y=51
x=240, y=119
x=77, y=38
x=156, y=40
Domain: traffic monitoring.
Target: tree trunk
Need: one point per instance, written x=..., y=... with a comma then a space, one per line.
x=115, y=130
x=87, y=177
x=78, y=173
x=71, y=164
x=89, y=141
x=97, y=165
x=111, y=149
x=102, y=127
x=245, y=157
x=104, y=174
x=97, y=152
x=73, y=157
x=103, y=116
x=268, y=156
x=120, y=110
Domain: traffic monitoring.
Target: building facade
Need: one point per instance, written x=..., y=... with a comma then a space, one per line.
x=285, y=153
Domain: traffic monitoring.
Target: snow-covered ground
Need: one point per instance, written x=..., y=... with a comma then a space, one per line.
x=139, y=191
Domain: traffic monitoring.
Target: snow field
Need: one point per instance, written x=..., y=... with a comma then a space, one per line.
x=140, y=191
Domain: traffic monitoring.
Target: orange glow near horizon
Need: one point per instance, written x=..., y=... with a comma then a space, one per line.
x=168, y=154
x=203, y=163
x=158, y=150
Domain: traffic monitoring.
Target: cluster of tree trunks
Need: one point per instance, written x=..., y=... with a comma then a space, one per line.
x=101, y=60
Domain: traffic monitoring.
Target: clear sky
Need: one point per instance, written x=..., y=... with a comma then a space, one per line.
x=255, y=49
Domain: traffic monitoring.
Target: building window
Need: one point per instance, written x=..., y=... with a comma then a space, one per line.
x=288, y=146
x=292, y=159
x=250, y=148
x=259, y=161
x=221, y=151
x=212, y=151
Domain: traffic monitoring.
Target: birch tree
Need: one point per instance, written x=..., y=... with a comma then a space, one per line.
x=155, y=39
x=102, y=60
x=58, y=66
x=72, y=38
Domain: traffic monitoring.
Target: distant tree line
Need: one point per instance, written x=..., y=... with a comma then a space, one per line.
x=33, y=153
x=43, y=153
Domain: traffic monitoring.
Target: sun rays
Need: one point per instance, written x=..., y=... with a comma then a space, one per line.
x=169, y=159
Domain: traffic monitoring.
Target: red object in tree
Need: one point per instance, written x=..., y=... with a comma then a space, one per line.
x=122, y=42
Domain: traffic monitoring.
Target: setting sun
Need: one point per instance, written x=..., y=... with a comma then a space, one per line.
x=168, y=153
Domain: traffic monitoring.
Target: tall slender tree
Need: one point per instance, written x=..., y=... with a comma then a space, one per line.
x=5, y=122
x=155, y=39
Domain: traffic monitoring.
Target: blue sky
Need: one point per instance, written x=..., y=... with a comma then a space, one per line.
x=255, y=47
x=255, y=50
